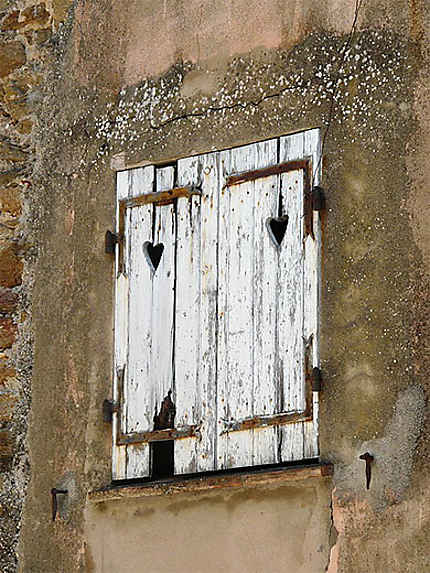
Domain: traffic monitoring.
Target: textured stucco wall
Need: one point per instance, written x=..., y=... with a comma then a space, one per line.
x=125, y=83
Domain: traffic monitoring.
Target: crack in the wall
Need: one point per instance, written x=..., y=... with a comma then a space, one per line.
x=216, y=109
x=333, y=535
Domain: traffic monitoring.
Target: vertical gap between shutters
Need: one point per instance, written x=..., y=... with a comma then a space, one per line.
x=277, y=366
x=175, y=270
x=218, y=191
x=170, y=446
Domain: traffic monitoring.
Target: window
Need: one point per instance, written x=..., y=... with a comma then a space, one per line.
x=216, y=326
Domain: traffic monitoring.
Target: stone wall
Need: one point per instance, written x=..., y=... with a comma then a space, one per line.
x=25, y=32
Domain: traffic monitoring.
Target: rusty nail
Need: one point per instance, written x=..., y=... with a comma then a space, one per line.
x=368, y=458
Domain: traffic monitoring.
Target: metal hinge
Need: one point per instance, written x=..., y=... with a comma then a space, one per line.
x=318, y=198
x=111, y=239
x=316, y=379
x=109, y=407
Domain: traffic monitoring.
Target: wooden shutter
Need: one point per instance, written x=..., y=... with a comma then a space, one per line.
x=228, y=321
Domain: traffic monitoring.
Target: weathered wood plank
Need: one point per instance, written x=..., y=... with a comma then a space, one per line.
x=163, y=296
x=236, y=300
x=120, y=336
x=137, y=376
x=187, y=318
x=236, y=480
x=312, y=265
x=291, y=344
x=264, y=308
x=195, y=340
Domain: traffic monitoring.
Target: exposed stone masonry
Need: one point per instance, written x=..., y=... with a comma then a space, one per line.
x=25, y=28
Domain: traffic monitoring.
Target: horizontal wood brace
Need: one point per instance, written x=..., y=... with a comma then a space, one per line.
x=268, y=420
x=162, y=197
x=267, y=172
x=159, y=435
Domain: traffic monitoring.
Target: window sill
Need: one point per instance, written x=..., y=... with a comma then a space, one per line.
x=243, y=480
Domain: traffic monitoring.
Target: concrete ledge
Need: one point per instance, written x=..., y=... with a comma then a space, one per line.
x=243, y=480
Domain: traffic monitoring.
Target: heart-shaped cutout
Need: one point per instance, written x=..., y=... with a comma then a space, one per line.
x=277, y=227
x=153, y=254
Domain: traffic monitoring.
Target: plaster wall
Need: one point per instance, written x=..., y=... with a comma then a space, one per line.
x=273, y=529
x=148, y=82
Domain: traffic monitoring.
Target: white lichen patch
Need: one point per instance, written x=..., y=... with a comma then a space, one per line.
x=360, y=86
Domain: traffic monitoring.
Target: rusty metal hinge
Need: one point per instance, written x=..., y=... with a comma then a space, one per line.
x=316, y=379
x=109, y=407
x=54, y=493
x=111, y=239
x=318, y=198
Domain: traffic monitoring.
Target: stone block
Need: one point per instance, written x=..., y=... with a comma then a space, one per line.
x=6, y=443
x=9, y=176
x=6, y=374
x=11, y=152
x=10, y=201
x=10, y=268
x=8, y=402
x=8, y=300
x=7, y=332
x=12, y=57
x=35, y=16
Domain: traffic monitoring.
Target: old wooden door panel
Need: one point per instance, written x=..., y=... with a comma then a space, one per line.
x=241, y=332
x=195, y=317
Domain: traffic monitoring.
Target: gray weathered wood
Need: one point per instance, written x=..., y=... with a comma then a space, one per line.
x=224, y=320
x=291, y=435
x=245, y=357
x=195, y=319
x=137, y=374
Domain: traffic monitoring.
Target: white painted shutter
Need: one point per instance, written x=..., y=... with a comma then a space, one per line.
x=226, y=319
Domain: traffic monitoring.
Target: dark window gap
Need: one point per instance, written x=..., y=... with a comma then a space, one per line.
x=211, y=474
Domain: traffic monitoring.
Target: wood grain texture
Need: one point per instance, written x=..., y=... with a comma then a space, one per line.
x=195, y=318
x=121, y=333
x=246, y=381
x=224, y=320
x=312, y=149
x=137, y=230
x=237, y=480
x=291, y=436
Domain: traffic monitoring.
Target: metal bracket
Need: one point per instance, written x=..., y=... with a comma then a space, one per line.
x=54, y=493
x=316, y=379
x=111, y=239
x=368, y=458
x=109, y=407
x=318, y=198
